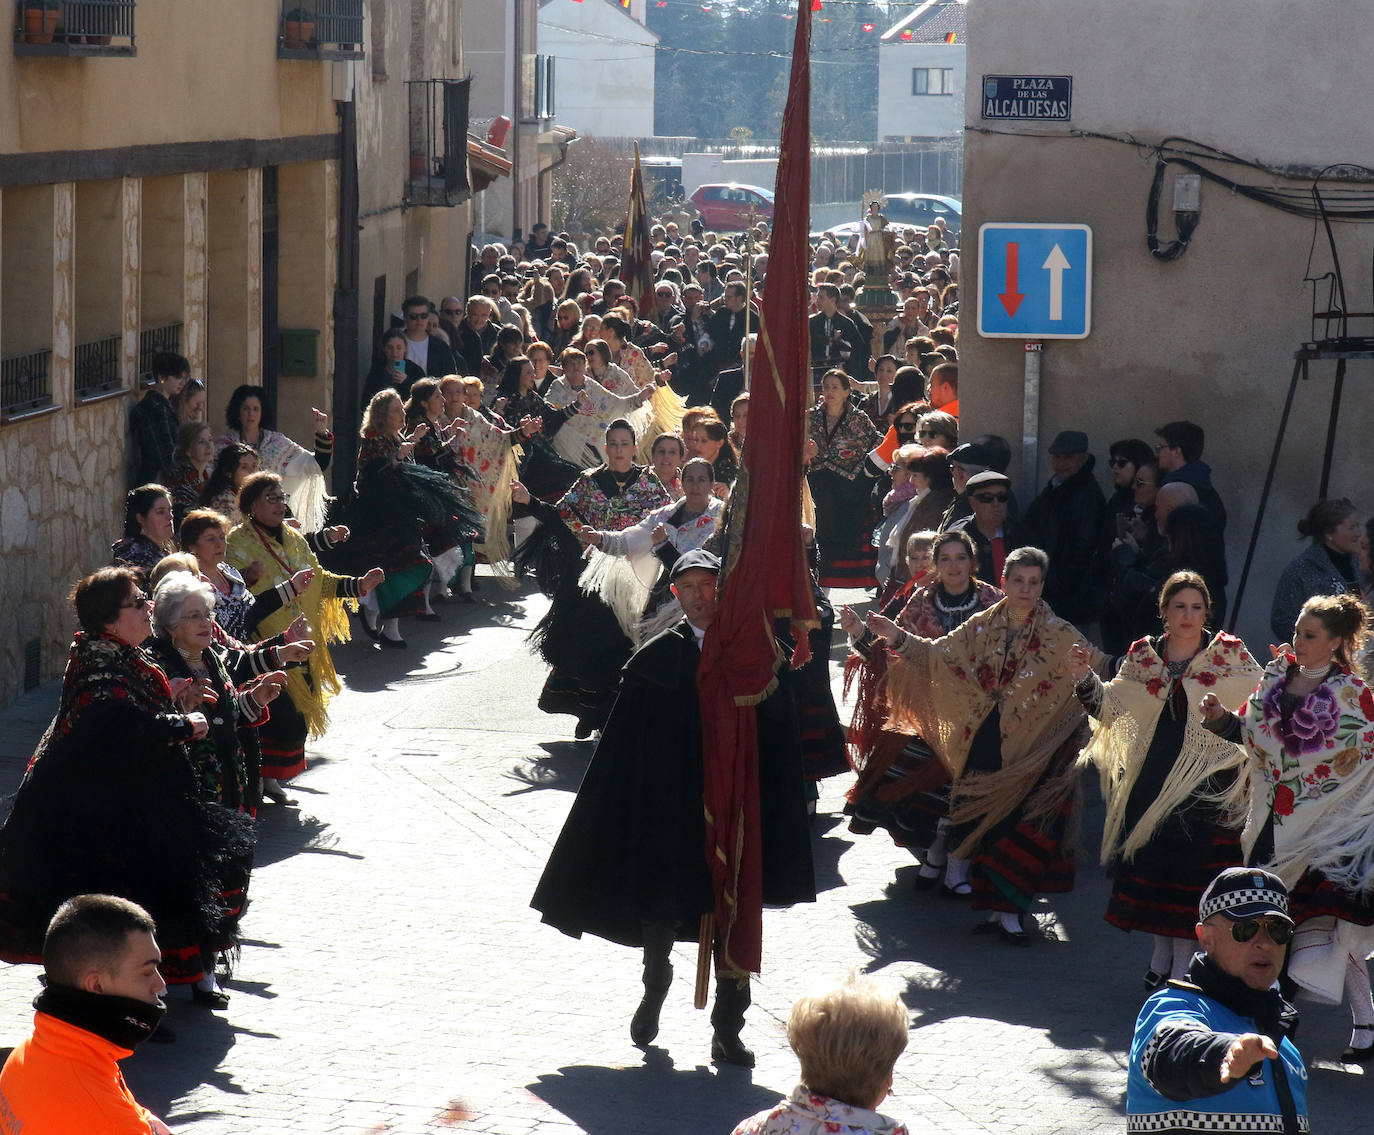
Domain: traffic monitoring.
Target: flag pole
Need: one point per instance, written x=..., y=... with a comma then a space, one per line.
x=748, y=292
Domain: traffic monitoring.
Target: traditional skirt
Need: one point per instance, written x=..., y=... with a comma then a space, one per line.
x=281, y=739
x=1315, y=896
x=1158, y=891
x=903, y=787
x=844, y=529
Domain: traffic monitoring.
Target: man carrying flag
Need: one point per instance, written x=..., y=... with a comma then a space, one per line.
x=692, y=815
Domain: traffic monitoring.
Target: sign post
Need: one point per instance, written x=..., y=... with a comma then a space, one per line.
x=1030, y=415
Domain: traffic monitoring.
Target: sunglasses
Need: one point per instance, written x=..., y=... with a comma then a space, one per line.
x=909, y=427
x=417, y=315
x=992, y=498
x=1280, y=933
x=1118, y=462
x=928, y=433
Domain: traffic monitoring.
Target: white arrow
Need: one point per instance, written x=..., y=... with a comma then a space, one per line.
x=1056, y=262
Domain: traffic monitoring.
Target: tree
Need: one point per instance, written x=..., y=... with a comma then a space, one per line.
x=591, y=189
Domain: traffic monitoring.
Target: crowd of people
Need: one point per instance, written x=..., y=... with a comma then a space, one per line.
x=547, y=425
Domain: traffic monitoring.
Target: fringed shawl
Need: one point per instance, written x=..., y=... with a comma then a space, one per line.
x=942, y=690
x=301, y=476
x=326, y=613
x=485, y=451
x=1315, y=772
x=1131, y=705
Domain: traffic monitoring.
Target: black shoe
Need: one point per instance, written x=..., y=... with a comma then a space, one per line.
x=1353, y=1055
x=644, y=1024
x=429, y=617
x=1013, y=937
x=466, y=597
x=1154, y=980
x=391, y=643
x=374, y=633
x=926, y=882
x=958, y=891
x=583, y=730
x=731, y=1050
x=991, y=927
x=209, y=998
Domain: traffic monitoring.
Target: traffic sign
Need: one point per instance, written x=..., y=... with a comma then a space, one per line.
x=1035, y=281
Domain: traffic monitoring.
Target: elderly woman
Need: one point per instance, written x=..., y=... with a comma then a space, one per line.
x=1309, y=730
x=903, y=786
x=1162, y=772
x=266, y=538
x=580, y=636
x=935, y=427
x=148, y=529
x=191, y=464
x=110, y=802
x=1328, y=566
x=840, y=437
x=987, y=700
x=847, y=1039
x=301, y=471
x=233, y=465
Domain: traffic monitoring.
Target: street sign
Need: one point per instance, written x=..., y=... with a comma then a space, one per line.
x=1046, y=97
x=1035, y=281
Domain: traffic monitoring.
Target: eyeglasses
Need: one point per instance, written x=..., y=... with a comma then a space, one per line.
x=1139, y=484
x=1280, y=933
x=928, y=433
x=910, y=427
x=417, y=315
x=1117, y=462
x=195, y=617
x=992, y=498
x=140, y=601
x=1161, y=445
x=277, y=498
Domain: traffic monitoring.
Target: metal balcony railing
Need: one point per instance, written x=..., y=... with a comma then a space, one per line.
x=321, y=29
x=438, y=113
x=25, y=383
x=97, y=367
x=151, y=341
x=75, y=27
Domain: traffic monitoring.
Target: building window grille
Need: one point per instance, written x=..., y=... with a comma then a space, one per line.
x=153, y=341
x=321, y=29
x=75, y=27
x=438, y=112
x=25, y=383
x=97, y=366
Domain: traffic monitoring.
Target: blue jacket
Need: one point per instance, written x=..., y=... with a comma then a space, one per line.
x=1181, y=1035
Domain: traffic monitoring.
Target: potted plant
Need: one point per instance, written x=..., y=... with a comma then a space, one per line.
x=298, y=28
x=97, y=24
x=40, y=20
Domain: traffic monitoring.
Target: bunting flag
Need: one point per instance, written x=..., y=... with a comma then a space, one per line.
x=950, y=37
x=765, y=574
x=636, y=265
x=906, y=34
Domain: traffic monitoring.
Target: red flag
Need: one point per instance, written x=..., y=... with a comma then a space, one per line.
x=636, y=264
x=765, y=573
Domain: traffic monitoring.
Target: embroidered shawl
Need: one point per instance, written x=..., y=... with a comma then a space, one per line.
x=580, y=438
x=1314, y=770
x=300, y=473
x=319, y=603
x=942, y=690
x=1125, y=726
x=486, y=451
x=843, y=449
x=805, y=1112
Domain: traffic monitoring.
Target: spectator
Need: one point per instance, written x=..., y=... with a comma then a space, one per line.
x=861, y=346
x=154, y=421
x=540, y=243
x=1327, y=567
x=102, y=997
x=1214, y=1054
x=1179, y=455
x=832, y=336
x=994, y=534
x=1067, y=520
x=476, y=338
x=488, y=260
x=390, y=367
x=192, y=404
x=428, y=352
x=944, y=388
x=726, y=327
x=847, y=1039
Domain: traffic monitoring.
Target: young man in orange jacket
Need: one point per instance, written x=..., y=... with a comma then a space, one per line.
x=102, y=997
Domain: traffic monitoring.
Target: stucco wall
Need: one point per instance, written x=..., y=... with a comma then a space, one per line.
x=1211, y=336
x=904, y=115
x=597, y=97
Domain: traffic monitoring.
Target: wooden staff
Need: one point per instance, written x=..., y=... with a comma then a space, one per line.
x=748, y=294
x=705, y=939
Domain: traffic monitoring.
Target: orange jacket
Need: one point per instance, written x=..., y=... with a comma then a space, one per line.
x=63, y=1080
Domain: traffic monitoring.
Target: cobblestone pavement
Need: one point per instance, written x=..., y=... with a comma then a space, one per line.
x=394, y=978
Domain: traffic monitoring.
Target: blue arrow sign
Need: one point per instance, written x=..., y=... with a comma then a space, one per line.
x=1035, y=281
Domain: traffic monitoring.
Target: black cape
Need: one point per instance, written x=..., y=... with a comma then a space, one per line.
x=633, y=849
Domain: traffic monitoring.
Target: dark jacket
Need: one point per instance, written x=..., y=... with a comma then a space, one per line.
x=471, y=348
x=1067, y=521
x=441, y=359
x=826, y=353
x=1199, y=475
x=154, y=425
x=1312, y=573
x=1014, y=535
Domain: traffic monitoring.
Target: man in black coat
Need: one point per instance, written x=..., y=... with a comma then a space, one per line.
x=428, y=352
x=994, y=532
x=833, y=335
x=1066, y=520
x=476, y=337
x=630, y=864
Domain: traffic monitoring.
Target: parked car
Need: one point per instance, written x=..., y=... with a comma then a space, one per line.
x=908, y=210
x=727, y=206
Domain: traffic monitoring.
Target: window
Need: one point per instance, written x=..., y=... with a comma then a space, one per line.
x=932, y=80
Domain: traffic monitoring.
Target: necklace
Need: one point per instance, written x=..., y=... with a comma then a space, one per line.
x=954, y=608
x=1314, y=671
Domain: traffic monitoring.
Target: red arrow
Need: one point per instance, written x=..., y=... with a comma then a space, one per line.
x=1011, y=298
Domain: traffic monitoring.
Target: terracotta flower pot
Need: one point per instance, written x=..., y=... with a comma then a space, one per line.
x=40, y=24
x=298, y=33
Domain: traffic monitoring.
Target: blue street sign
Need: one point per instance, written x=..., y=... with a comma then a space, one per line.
x=1035, y=281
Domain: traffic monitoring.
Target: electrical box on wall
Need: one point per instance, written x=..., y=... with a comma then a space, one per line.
x=1187, y=192
x=299, y=352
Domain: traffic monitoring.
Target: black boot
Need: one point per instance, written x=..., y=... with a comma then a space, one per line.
x=727, y=1019
x=658, y=976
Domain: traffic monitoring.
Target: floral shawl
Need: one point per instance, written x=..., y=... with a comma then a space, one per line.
x=588, y=504
x=1125, y=726
x=921, y=617
x=842, y=450
x=806, y=1113
x=300, y=473
x=1314, y=771
x=993, y=662
x=579, y=439
x=486, y=451
x=614, y=379
x=635, y=363
x=319, y=603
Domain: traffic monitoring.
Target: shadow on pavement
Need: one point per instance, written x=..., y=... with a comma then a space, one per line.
x=827, y=847
x=599, y=1099
x=562, y=767
x=286, y=831
x=161, y=1074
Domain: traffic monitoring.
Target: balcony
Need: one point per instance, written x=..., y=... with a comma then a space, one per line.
x=438, y=112
x=25, y=385
x=97, y=366
x=80, y=28
x=325, y=29
x=152, y=341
